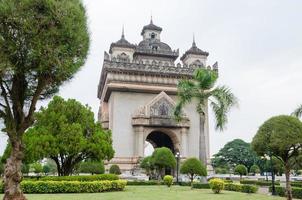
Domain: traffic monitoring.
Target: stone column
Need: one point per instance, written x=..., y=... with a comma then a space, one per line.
x=184, y=142
x=139, y=137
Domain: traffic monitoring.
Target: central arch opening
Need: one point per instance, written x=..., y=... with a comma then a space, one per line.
x=160, y=139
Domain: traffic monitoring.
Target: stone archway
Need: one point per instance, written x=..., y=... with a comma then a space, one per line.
x=160, y=139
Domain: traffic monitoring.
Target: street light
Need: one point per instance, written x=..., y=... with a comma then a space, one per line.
x=270, y=157
x=177, y=166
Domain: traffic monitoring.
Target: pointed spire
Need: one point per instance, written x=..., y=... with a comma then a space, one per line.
x=193, y=44
x=123, y=34
x=151, y=21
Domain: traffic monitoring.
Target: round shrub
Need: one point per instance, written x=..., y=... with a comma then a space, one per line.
x=92, y=167
x=241, y=170
x=168, y=180
x=254, y=169
x=115, y=169
x=216, y=185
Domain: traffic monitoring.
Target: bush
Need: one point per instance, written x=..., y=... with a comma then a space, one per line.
x=115, y=169
x=201, y=185
x=281, y=191
x=296, y=184
x=193, y=167
x=100, y=177
x=227, y=181
x=241, y=188
x=144, y=183
x=92, y=167
x=241, y=170
x=233, y=187
x=168, y=180
x=255, y=169
x=260, y=183
x=249, y=188
x=216, y=185
x=38, y=187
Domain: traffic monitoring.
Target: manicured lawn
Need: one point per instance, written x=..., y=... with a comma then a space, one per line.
x=154, y=193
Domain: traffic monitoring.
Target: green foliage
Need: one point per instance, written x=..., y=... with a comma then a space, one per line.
x=193, y=167
x=249, y=188
x=254, y=169
x=163, y=158
x=296, y=184
x=100, y=177
x=25, y=168
x=241, y=188
x=148, y=165
x=257, y=182
x=168, y=180
x=46, y=169
x=298, y=111
x=202, y=89
x=241, y=170
x=216, y=185
x=234, y=153
x=281, y=191
x=152, y=182
x=38, y=187
x=65, y=131
x=37, y=167
x=114, y=169
x=52, y=166
x=280, y=136
x=200, y=185
x=92, y=167
x=221, y=170
x=1, y=168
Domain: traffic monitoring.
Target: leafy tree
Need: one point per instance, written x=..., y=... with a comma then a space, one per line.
x=37, y=168
x=298, y=111
x=193, y=167
x=25, y=168
x=221, y=170
x=1, y=167
x=52, y=165
x=201, y=88
x=254, y=169
x=241, y=170
x=280, y=136
x=66, y=132
x=148, y=165
x=234, y=153
x=46, y=169
x=92, y=167
x=42, y=44
x=163, y=159
x=114, y=169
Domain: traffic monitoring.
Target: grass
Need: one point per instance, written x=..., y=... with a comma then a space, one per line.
x=154, y=193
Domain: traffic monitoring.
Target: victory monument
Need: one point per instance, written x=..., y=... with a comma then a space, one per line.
x=138, y=92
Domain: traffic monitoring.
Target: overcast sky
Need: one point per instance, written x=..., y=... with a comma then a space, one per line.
x=258, y=45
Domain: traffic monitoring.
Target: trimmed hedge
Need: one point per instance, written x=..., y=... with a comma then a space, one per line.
x=201, y=185
x=257, y=182
x=101, y=177
x=296, y=184
x=241, y=188
x=153, y=182
x=281, y=191
x=39, y=187
x=184, y=183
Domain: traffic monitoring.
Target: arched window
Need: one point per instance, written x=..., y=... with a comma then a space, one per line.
x=153, y=35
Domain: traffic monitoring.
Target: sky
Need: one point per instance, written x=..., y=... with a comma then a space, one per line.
x=258, y=45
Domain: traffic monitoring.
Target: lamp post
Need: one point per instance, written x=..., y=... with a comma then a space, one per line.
x=177, y=166
x=273, y=175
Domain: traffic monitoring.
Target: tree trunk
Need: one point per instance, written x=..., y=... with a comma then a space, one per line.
x=202, y=153
x=12, y=175
x=288, y=186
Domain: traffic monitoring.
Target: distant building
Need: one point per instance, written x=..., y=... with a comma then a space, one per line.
x=138, y=92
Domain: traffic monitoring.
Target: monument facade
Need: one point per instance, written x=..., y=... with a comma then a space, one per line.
x=138, y=92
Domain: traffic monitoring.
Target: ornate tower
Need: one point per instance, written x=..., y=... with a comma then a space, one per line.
x=138, y=91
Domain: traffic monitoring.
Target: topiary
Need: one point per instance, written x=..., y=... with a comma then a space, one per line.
x=241, y=170
x=115, y=169
x=216, y=185
x=168, y=180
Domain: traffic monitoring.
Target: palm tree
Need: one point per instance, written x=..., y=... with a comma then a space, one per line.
x=201, y=88
x=298, y=112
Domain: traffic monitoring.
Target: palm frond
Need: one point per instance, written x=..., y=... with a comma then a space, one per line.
x=298, y=112
x=205, y=78
x=222, y=100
